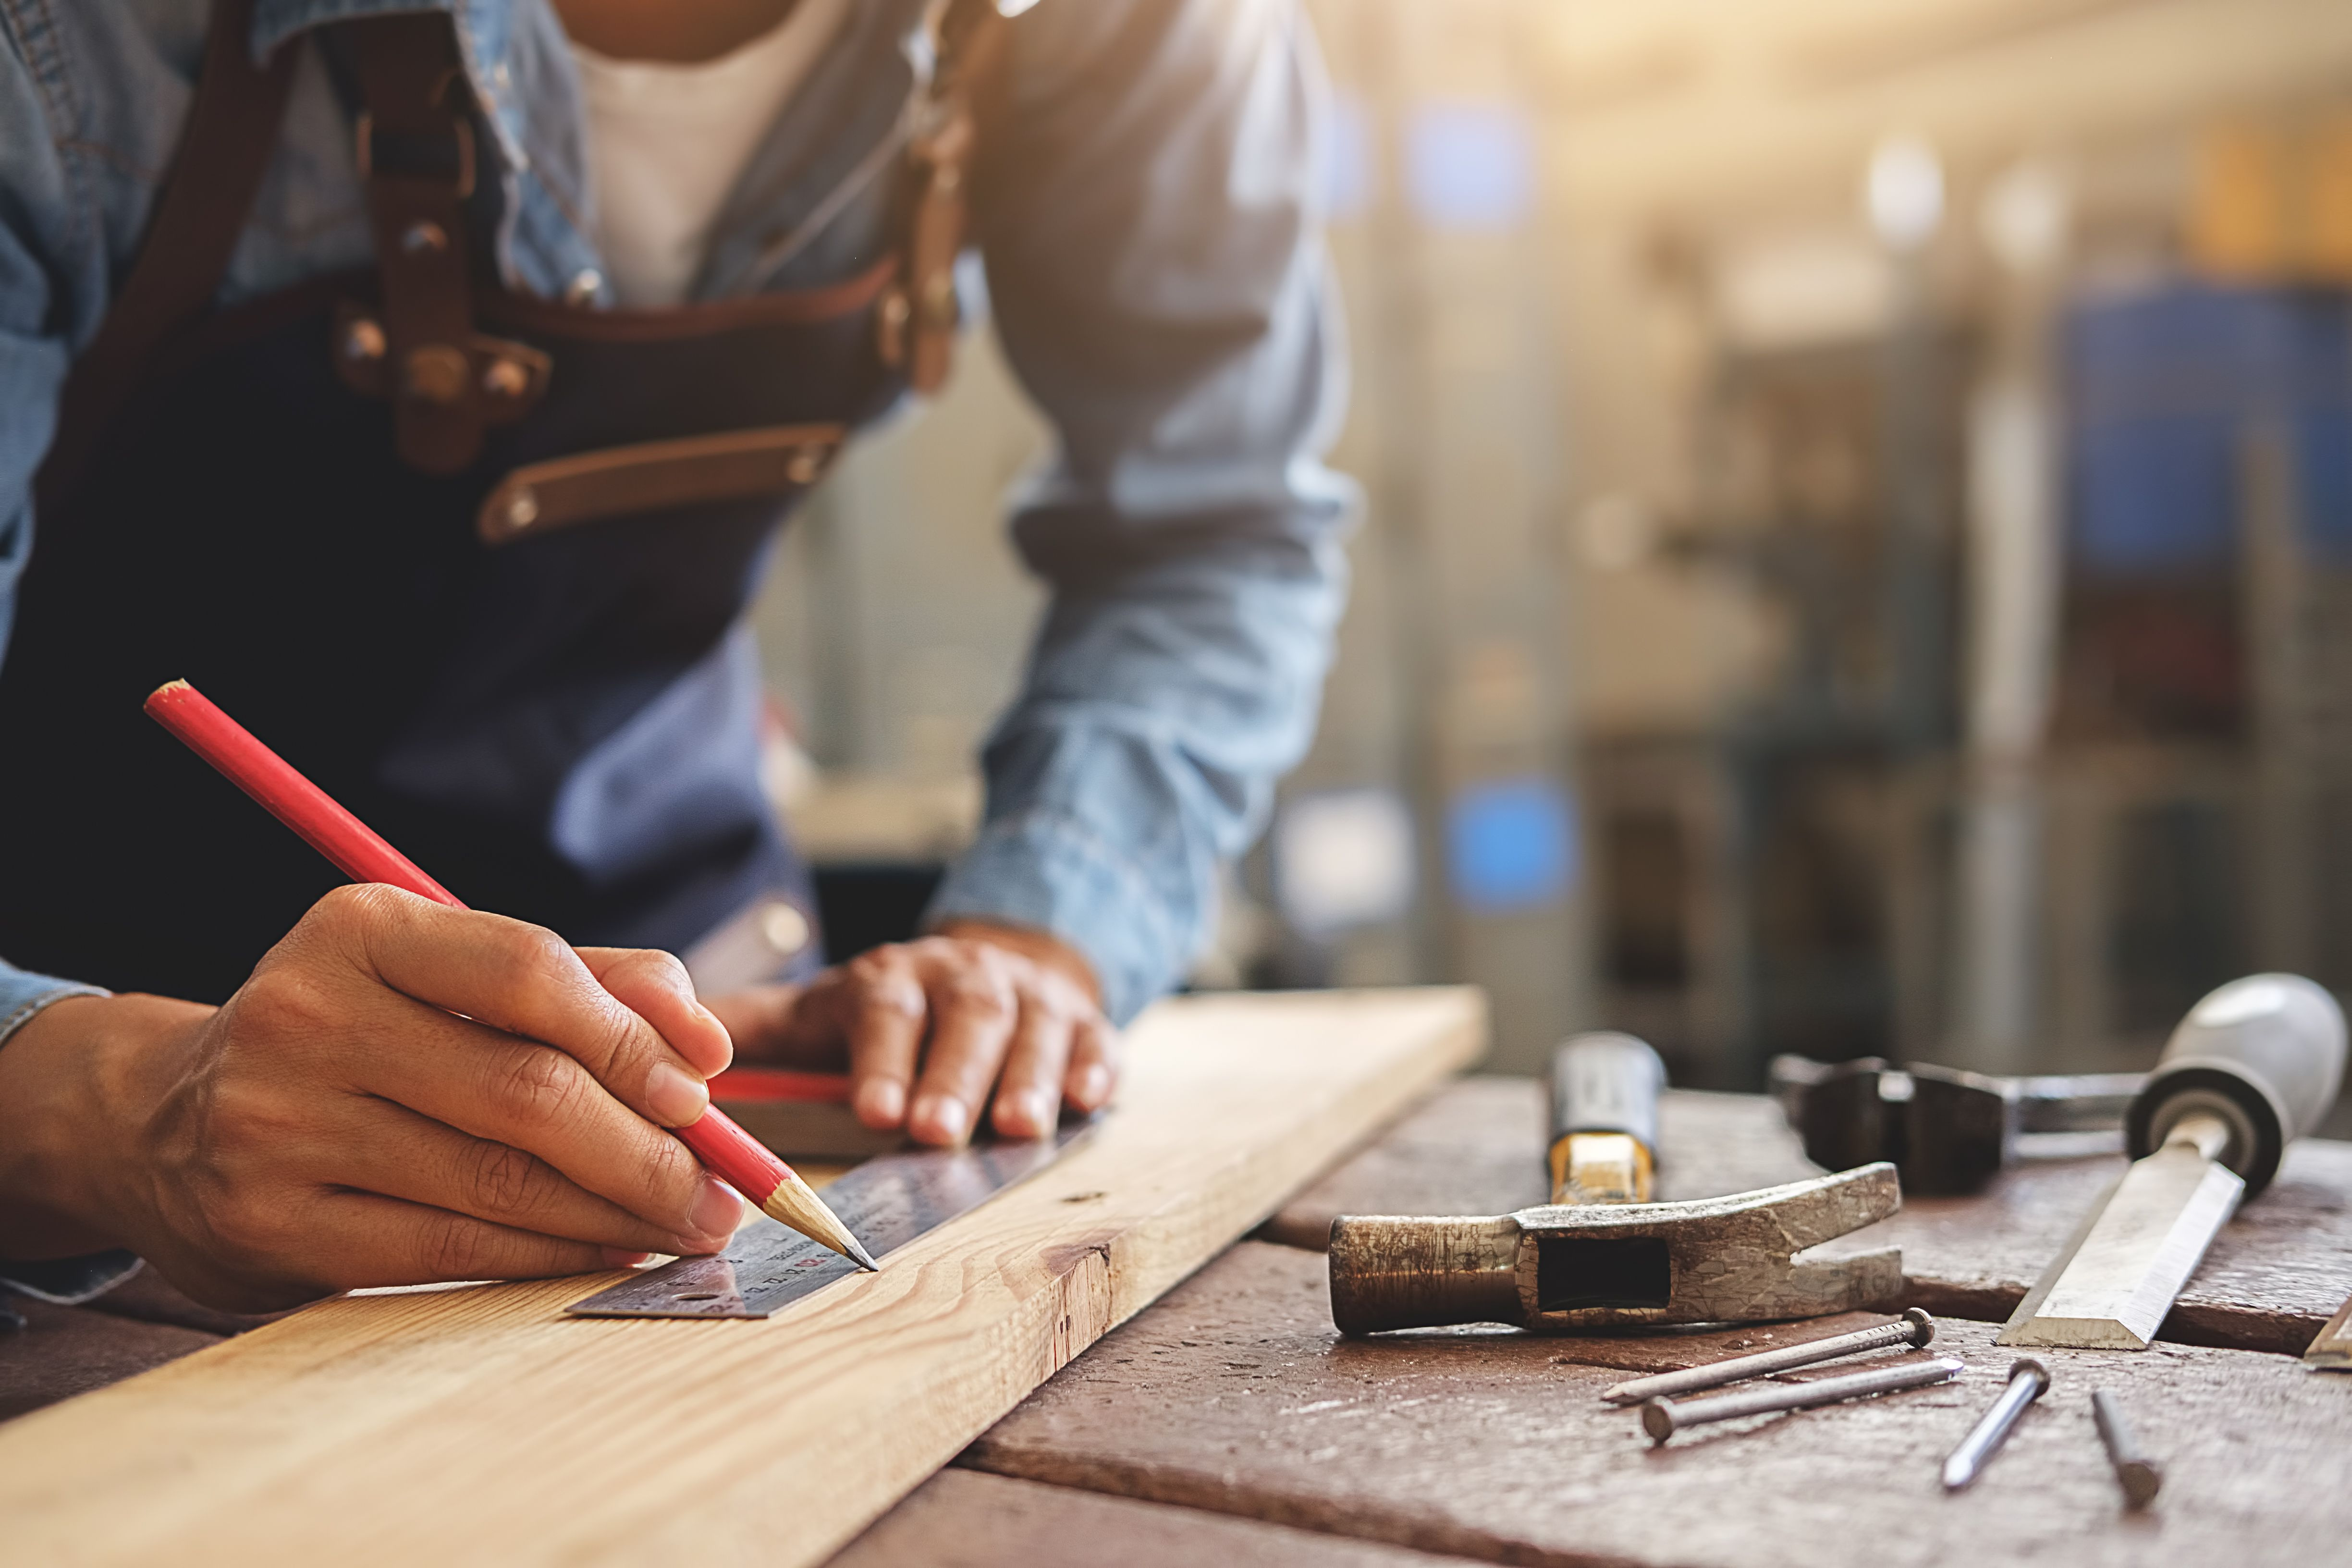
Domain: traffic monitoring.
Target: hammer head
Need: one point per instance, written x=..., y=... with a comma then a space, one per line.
x=1558, y=1267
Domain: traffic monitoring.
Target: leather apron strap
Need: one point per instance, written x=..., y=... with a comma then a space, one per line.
x=225, y=151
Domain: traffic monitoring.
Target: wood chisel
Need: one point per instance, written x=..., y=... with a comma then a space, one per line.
x=2332, y=1351
x=2254, y=1066
x=1605, y=1119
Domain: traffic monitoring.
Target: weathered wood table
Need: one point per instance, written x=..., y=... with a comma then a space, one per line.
x=1229, y=1423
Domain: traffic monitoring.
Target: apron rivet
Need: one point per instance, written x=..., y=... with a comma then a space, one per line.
x=437, y=374
x=585, y=285
x=785, y=927
x=806, y=463
x=522, y=508
x=506, y=378
x=363, y=342
x=423, y=238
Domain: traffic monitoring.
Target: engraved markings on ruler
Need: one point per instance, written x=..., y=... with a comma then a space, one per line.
x=889, y=1201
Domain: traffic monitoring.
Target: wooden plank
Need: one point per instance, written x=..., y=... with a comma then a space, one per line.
x=1494, y=1445
x=2273, y=1276
x=477, y=1423
x=962, y=1518
x=1477, y=1147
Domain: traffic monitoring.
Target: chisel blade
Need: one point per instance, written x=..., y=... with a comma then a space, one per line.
x=2116, y=1279
x=2332, y=1351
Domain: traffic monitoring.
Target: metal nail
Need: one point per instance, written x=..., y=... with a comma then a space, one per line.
x=2138, y=1473
x=2027, y=1379
x=1662, y=1418
x=1913, y=1328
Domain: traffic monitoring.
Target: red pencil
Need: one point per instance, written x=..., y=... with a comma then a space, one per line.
x=739, y=1159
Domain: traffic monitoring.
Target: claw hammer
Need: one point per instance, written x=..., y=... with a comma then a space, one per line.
x=1600, y=1256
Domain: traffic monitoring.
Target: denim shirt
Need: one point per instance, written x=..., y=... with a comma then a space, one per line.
x=1147, y=223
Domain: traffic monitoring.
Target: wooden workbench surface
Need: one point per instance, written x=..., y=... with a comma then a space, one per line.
x=2275, y=1274
x=1235, y=1395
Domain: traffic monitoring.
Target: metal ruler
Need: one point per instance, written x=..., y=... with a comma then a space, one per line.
x=889, y=1201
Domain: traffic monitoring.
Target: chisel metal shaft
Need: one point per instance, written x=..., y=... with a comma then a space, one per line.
x=2027, y=1380
x=1662, y=1418
x=2137, y=1473
x=1913, y=1328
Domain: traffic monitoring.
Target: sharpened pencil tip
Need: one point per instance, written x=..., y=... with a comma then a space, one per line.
x=863, y=1258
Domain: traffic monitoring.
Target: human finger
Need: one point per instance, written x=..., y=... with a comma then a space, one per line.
x=361, y=1239
x=1093, y=1070
x=512, y=976
x=1029, y=1091
x=968, y=989
x=656, y=986
x=491, y=1085
x=881, y=1009
x=394, y=1153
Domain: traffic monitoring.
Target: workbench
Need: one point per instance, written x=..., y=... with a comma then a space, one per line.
x=1229, y=1423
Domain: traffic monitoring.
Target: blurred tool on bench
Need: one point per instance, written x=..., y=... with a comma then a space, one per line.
x=2253, y=1067
x=1948, y=1132
x=1604, y=1120
x=1576, y=1264
x=2332, y=1351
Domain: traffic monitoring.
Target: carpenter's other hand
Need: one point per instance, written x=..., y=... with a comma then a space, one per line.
x=401, y=1093
x=980, y=1019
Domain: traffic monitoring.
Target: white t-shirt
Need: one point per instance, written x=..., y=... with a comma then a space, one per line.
x=666, y=143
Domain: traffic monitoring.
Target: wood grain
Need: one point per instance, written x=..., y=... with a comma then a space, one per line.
x=2269, y=1283
x=477, y=1423
x=1494, y=1445
x=962, y=1518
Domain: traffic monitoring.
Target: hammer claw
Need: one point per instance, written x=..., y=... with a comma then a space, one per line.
x=1558, y=1267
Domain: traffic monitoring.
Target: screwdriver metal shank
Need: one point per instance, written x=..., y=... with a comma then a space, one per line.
x=1913, y=1328
x=1662, y=1418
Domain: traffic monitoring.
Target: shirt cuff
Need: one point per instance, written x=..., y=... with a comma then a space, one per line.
x=1052, y=873
x=24, y=993
x=69, y=1282
x=66, y=1282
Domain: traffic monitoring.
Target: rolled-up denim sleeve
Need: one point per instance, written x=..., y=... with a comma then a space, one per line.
x=1146, y=215
x=34, y=212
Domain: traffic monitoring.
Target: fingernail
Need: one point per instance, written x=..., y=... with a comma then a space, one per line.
x=676, y=1100
x=718, y=1211
x=881, y=1102
x=615, y=1257
x=1027, y=1112
x=1094, y=1085
x=943, y=1117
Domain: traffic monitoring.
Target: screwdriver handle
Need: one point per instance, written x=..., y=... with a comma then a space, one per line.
x=2264, y=1055
x=1605, y=1086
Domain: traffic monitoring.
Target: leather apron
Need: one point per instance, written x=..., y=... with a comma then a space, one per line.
x=477, y=563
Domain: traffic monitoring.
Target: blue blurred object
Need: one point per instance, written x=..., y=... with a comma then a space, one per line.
x=1510, y=845
x=2164, y=386
x=1469, y=165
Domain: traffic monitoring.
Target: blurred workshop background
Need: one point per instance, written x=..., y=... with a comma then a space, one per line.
x=1858, y=544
